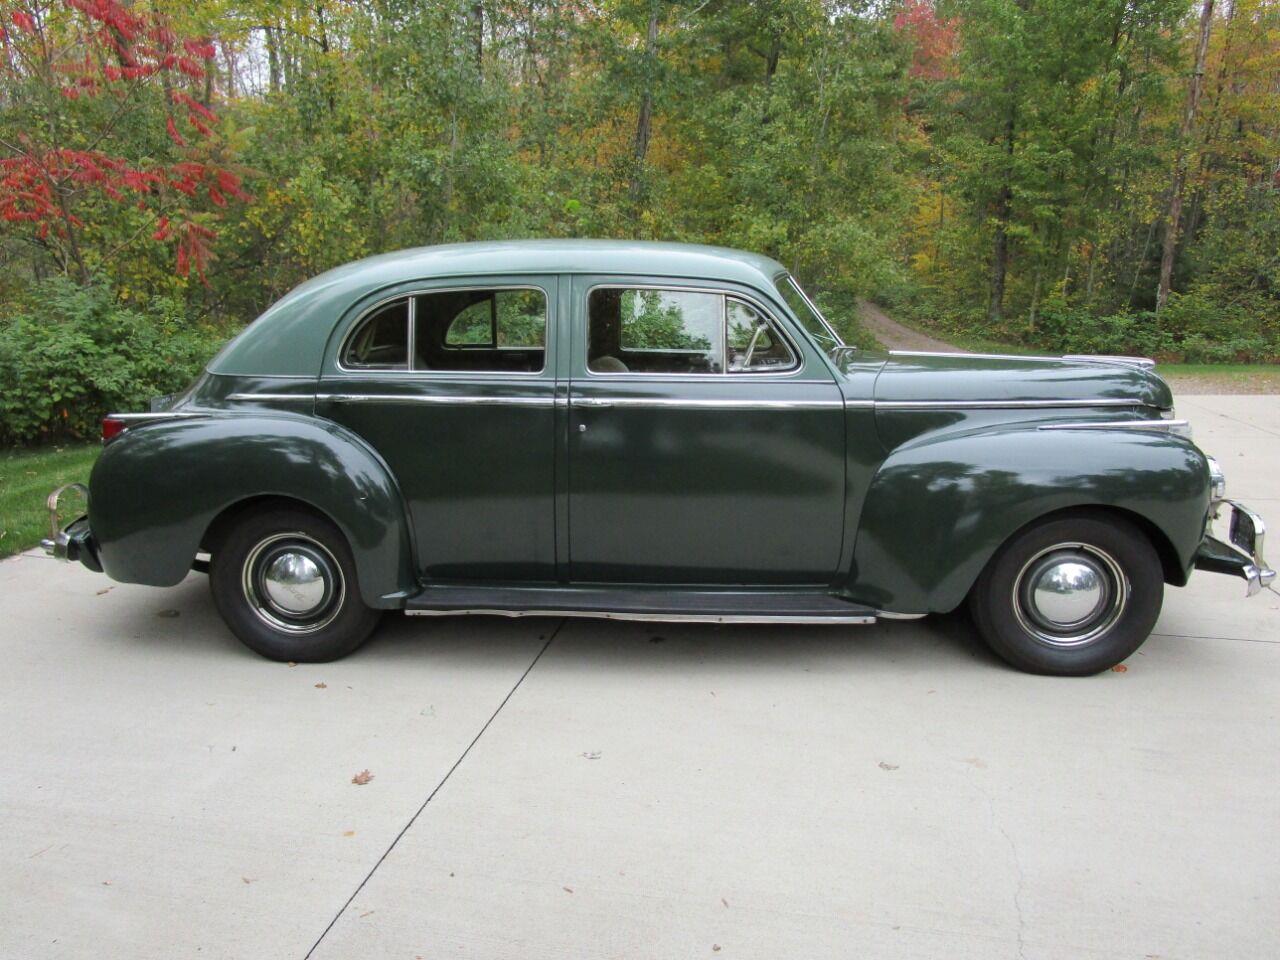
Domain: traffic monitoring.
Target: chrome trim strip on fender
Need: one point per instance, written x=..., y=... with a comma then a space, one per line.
x=443, y=400
x=1144, y=363
x=1162, y=426
x=162, y=415
x=651, y=617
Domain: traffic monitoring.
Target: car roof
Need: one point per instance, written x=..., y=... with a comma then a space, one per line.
x=288, y=339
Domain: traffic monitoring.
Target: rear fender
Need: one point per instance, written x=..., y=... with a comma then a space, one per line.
x=157, y=488
x=938, y=510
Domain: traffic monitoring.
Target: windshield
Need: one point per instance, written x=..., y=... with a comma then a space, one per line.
x=808, y=314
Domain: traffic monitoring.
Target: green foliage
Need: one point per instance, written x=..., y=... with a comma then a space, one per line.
x=74, y=353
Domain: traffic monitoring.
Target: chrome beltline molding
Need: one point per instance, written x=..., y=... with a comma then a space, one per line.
x=159, y=415
x=272, y=397
x=677, y=402
x=703, y=402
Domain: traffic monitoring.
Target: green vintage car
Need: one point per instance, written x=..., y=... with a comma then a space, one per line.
x=656, y=432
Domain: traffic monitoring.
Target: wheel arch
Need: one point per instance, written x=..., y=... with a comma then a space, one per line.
x=937, y=512
x=163, y=491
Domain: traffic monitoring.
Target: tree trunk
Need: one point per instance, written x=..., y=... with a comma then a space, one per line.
x=273, y=59
x=1000, y=246
x=476, y=16
x=1173, y=221
x=644, y=122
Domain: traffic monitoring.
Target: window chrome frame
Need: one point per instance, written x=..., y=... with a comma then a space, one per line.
x=798, y=358
x=822, y=318
x=412, y=296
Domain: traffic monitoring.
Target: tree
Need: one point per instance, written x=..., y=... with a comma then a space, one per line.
x=1173, y=222
x=83, y=76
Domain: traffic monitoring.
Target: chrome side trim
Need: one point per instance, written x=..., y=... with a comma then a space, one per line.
x=1162, y=426
x=650, y=617
x=1142, y=363
x=961, y=354
x=441, y=400
x=704, y=403
x=1004, y=404
x=271, y=397
x=162, y=415
x=886, y=615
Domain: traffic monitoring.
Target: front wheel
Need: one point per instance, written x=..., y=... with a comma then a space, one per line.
x=285, y=583
x=1070, y=596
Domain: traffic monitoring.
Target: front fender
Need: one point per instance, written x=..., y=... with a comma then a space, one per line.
x=155, y=490
x=937, y=510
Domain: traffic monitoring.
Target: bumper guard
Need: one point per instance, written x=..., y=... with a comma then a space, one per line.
x=75, y=540
x=1240, y=555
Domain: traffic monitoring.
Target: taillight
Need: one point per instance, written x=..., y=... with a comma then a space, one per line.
x=111, y=428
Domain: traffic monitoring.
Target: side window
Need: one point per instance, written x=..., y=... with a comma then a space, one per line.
x=655, y=331
x=752, y=342
x=381, y=342
x=641, y=330
x=502, y=330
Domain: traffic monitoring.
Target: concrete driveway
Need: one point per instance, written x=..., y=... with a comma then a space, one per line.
x=548, y=789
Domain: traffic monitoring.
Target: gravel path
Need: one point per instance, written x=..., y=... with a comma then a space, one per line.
x=893, y=335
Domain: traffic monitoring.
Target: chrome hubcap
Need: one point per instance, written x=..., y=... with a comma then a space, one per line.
x=1070, y=594
x=293, y=583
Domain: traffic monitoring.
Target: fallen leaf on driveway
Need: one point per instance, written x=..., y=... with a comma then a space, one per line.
x=724, y=901
x=361, y=778
x=168, y=613
x=976, y=762
x=322, y=685
x=591, y=755
x=715, y=948
x=887, y=766
x=567, y=889
x=104, y=590
x=1119, y=668
x=292, y=664
x=365, y=914
x=348, y=833
x=247, y=879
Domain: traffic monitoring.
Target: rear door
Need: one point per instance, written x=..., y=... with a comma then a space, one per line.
x=453, y=383
x=706, y=439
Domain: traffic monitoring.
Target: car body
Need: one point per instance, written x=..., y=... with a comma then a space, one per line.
x=643, y=430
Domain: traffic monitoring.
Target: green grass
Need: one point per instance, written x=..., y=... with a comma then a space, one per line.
x=26, y=478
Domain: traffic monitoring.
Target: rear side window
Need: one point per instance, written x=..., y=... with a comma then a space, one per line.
x=502, y=330
x=656, y=331
x=382, y=340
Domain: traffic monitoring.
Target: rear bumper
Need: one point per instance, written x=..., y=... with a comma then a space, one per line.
x=1240, y=555
x=74, y=542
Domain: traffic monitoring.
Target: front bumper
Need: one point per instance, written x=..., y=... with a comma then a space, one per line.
x=1240, y=555
x=75, y=540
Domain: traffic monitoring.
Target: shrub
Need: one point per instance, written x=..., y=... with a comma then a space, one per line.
x=75, y=353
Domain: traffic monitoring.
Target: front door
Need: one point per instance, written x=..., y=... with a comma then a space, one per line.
x=453, y=383
x=706, y=440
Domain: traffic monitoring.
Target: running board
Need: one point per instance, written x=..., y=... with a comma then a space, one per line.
x=628, y=603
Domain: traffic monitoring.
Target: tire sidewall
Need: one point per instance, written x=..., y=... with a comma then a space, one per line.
x=347, y=631
x=992, y=599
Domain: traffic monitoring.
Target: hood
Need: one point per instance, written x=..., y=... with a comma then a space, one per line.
x=979, y=378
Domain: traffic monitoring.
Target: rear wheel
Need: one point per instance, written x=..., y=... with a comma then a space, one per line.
x=1070, y=596
x=285, y=583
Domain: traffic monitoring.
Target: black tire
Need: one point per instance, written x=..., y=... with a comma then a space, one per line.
x=1073, y=559
x=274, y=562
